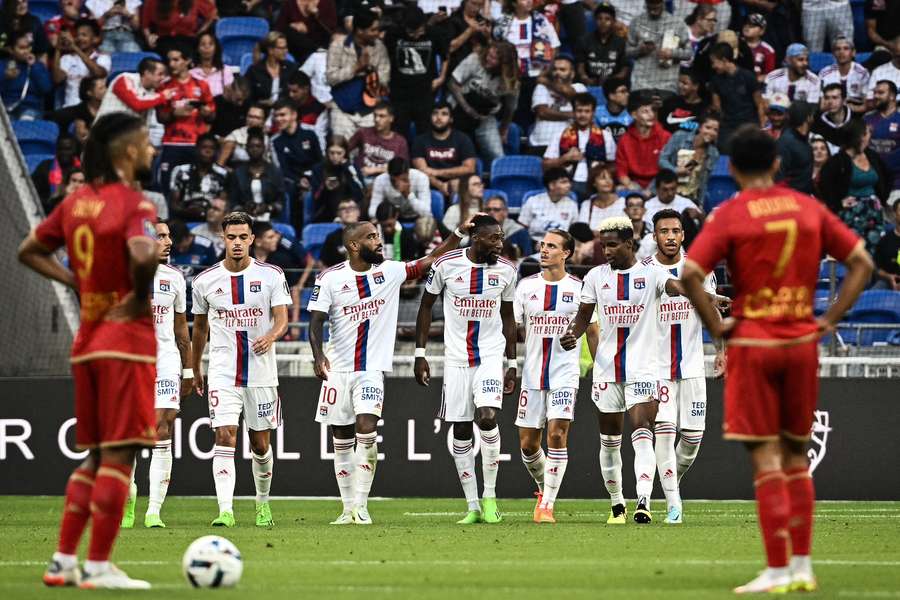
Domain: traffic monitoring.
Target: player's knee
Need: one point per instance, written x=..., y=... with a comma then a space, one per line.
x=486, y=422
x=529, y=447
x=366, y=423
x=226, y=436
x=462, y=431
x=556, y=439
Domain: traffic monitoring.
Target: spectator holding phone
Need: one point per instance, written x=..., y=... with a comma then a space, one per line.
x=119, y=19
x=25, y=82
x=77, y=57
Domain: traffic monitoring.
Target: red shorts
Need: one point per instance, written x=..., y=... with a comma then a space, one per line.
x=114, y=403
x=771, y=391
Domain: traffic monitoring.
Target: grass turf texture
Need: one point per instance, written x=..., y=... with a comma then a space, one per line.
x=415, y=550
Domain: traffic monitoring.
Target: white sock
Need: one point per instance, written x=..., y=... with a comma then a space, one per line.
x=223, y=474
x=611, y=466
x=490, y=460
x=557, y=459
x=686, y=450
x=644, y=462
x=665, y=463
x=160, y=473
x=366, y=462
x=799, y=564
x=343, y=470
x=66, y=561
x=262, y=474
x=95, y=567
x=464, y=458
x=132, y=487
x=535, y=465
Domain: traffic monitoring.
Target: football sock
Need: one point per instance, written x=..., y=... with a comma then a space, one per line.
x=802, y=494
x=132, y=486
x=490, y=460
x=686, y=451
x=107, y=506
x=644, y=461
x=343, y=469
x=535, y=465
x=366, y=462
x=611, y=466
x=557, y=459
x=464, y=458
x=76, y=512
x=773, y=507
x=262, y=474
x=665, y=462
x=160, y=473
x=223, y=474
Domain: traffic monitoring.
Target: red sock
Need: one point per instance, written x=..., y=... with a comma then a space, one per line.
x=107, y=506
x=773, y=507
x=77, y=510
x=803, y=499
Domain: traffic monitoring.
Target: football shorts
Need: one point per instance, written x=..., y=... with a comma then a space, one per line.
x=350, y=393
x=536, y=407
x=168, y=393
x=611, y=397
x=468, y=388
x=682, y=402
x=261, y=407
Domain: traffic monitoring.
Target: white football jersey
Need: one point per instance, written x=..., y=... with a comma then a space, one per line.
x=545, y=308
x=627, y=302
x=362, y=308
x=168, y=296
x=855, y=83
x=680, y=329
x=239, y=307
x=473, y=328
x=807, y=88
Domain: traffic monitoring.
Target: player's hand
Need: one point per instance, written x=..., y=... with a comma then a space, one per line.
x=198, y=381
x=509, y=382
x=568, y=341
x=422, y=371
x=723, y=329
x=824, y=326
x=719, y=365
x=129, y=309
x=723, y=303
x=321, y=367
x=467, y=224
x=187, y=386
x=262, y=344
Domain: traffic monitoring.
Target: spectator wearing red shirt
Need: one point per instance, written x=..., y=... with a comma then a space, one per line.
x=168, y=23
x=307, y=25
x=186, y=116
x=377, y=145
x=637, y=154
x=70, y=12
x=763, y=54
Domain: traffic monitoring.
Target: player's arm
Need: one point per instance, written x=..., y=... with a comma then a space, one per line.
x=511, y=335
x=263, y=343
x=39, y=258
x=692, y=278
x=859, y=269
x=423, y=325
x=183, y=342
x=593, y=338
x=451, y=243
x=321, y=366
x=198, y=343
x=578, y=326
x=142, y=264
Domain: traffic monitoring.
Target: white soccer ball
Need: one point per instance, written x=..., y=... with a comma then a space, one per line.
x=212, y=561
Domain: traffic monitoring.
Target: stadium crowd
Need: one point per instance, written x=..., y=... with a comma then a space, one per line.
x=310, y=114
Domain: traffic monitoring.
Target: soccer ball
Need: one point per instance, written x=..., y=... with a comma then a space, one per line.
x=212, y=561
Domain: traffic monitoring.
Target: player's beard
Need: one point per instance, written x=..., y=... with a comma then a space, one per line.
x=491, y=258
x=440, y=129
x=144, y=176
x=371, y=256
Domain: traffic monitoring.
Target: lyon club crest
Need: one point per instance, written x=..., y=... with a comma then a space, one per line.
x=378, y=277
x=639, y=283
x=493, y=280
x=568, y=297
x=255, y=286
x=164, y=285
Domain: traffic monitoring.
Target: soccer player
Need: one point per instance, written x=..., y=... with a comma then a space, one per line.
x=543, y=306
x=478, y=287
x=682, y=378
x=174, y=378
x=771, y=379
x=361, y=297
x=244, y=302
x=627, y=295
x=107, y=229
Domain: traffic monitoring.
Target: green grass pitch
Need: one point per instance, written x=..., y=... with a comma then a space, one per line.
x=415, y=550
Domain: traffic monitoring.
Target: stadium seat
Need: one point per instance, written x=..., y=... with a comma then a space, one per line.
x=246, y=62
x=862, y=57
x=241, y=27
x=597, y=92
x=127, y=62
x=860, y=32
x=516, y=175
x=819, y=60
x=43, y=9
x=234, y=49
x=719, y=189
x=437, y=204
x=308, y=209
x=33, y=160
x=825, y=274
x=314, y=236
x=721, y=166
x=513, y=142
x=875, y=306
x=36, y=137
x=285, y=230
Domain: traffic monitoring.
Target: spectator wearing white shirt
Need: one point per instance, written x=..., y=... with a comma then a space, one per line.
x=643, y=229
x=553, y=209
x=889, y=71
x=552, y=104
x=78, y=57
x=211, y=229
x=852, y=76
x=667, y=197
x=605, y=202
x=315, y=66
x=119, y=19
x=794, y=79
x=408, y=190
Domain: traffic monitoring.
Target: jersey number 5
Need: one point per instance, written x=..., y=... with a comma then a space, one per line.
x=83, y=249
x=789, y=227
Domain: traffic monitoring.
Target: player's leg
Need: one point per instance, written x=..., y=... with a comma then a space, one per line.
x=488, y=399
x=530, y=419
x=225, y=406
x=458, y=408
x=610, y=402
x=335, y=409
x=262, y=415
x=160, y=466
x=368, y=399
x=560, y=408
x=130, y=500
x=641, y=406
x=665, y=428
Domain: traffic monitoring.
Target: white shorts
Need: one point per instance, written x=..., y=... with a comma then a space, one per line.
x=468, y=388
x=536, y=407
x=261, y=407
x=350, y=393
x=683, y=402
x=168, y=393
x=621, y=397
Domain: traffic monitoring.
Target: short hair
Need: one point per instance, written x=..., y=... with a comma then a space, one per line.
x=691, y=74
x=637, y=195
x=384, y=105
x=639, y=100
x=499, y=199
x=256, y=133
x=182, y=49
x=554, y=174
x=386, y=211
x=178, y=230
x=261, y=227
x=483, y=222
x=892, y=87
x=242, y=84
x=206, y=137
x=102, y=144
x=566, y=57
x=148, y=64
x=87, y=22
x=852, y=134
x=300, y=79
x=621, y=226
x=612, y=84
x=708, y=115
x=581, y=232
x=84, y=88
x=284, y=103
x=753, y=150
x=667, y=213
x=442, y=104
x=799, y=113
x=397, y=166
x=568, y=240
x=268, y=42
x=835, y=86
x=584, y=99
x=666, y=176
x=722, y=51
x=605, y=8
x=237, y=218
x=364, y=18
x=350, y=230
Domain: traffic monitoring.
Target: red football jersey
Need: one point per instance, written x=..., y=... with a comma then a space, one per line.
x=772, y=241
x=95, y=226
x=184, y=131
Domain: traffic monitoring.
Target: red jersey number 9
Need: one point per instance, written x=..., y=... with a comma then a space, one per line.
x=83, y=249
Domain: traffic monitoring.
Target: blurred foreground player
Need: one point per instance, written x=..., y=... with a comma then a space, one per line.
x=107, y=229
x=771, y=383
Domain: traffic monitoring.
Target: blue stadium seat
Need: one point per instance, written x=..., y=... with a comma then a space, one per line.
x=597, y=92
x=437, y=205
x=127, y=62
x=43, y=9
x=308, y=208
x=513, y=142
x=241, y=27
x=246, y=62
x=719, y=189
x=819, y=60
x=516, y=175
x=314, y=236
x=875, y=306
x=860, y=33
x=285, y=230
x=234, y=49
x=33, y=160
x=862, y=57
x=825, y=274
x=36, y=137
x=721, y=166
